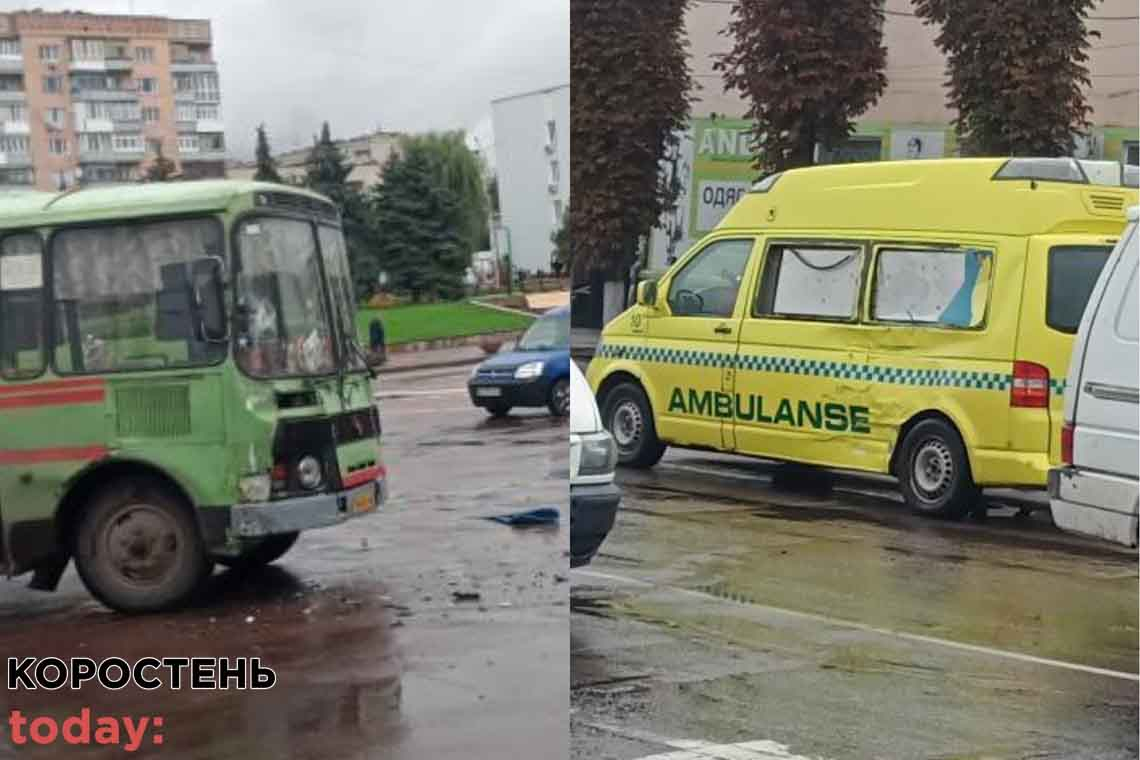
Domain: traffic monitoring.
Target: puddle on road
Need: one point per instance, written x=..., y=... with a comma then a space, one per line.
x=338, y=668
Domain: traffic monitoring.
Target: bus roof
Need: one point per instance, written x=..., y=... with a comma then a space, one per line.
x=956, y=194
x=35, y=209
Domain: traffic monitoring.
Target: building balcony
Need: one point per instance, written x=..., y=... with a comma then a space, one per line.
x=109, y=156
x=123, y=94
x=11, y=64
x=101, y=64
x=94, y=125
x=192, y=66
x=203, y=154
x=213, y=126
x=15, y=128
x=12, y=96
x=15, y=160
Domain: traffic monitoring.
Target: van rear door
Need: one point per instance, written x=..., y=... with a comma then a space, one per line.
x=1103, y=406
x=1060, y=275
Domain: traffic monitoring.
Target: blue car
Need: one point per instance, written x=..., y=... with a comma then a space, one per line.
x=535, y=373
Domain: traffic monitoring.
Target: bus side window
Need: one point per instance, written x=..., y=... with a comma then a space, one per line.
x=21, y=307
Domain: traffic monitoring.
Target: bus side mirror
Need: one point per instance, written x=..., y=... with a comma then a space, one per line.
x=210, y=295
x=647, y=293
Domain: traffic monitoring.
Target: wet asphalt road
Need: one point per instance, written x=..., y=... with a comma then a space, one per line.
x=744, y=610
x=374, y=658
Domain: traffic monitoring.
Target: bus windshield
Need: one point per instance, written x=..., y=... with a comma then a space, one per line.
x=283, y=314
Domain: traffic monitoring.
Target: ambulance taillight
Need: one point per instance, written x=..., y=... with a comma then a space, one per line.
x=1030, y=387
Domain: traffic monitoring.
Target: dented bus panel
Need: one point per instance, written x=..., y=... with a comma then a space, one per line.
x=910, y=318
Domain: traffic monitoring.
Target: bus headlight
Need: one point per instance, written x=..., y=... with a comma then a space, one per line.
x=529, y=371
x=309, y=473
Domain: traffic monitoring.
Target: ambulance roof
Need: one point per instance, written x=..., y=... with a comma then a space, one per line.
x=981, y=195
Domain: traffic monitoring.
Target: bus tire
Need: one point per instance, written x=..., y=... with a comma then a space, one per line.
x=934, y=471
x=261, y=553
x=138, y=549
x=626, y=413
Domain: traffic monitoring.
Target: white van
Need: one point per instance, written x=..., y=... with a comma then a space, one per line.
x=594, y=498
x=1096, y=492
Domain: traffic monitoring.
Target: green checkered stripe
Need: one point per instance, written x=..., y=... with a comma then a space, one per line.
x=934, y=378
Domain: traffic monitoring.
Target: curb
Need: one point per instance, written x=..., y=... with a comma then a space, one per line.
x=430, y=365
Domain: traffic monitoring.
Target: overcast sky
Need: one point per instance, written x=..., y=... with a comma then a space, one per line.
x=403, y=65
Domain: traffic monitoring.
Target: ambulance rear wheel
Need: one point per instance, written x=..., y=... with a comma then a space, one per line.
x=934, y=471
x=629, y=418
x=138, y=549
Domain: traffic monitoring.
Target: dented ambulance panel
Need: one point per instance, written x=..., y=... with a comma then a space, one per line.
x=828, y=340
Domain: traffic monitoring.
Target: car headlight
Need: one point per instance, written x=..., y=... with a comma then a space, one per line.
x=599, y=455
x=474, y=371
x=529, y=371
x=309, y=473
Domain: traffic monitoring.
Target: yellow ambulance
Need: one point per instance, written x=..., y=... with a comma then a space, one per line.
x=913, y=318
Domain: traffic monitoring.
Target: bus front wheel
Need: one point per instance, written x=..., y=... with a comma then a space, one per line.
x=262, y=553
x=138, y=549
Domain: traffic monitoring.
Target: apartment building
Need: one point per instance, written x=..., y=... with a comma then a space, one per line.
x=367, y=154
x=88, y=98
x=532, y=156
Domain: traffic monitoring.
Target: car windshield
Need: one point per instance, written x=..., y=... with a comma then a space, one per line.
x=283, y=319
x=548, y=333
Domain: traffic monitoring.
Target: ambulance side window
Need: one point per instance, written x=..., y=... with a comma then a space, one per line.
x=945, y=288
x=710, y=281
x=21, y=307
x=811, y=281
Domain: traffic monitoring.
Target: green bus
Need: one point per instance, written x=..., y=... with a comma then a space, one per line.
x=181, y=384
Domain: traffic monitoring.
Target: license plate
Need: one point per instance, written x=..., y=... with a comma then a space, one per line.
x=489, y=392
x=365, y=501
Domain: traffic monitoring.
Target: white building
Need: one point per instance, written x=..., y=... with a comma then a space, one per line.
x=532, y=154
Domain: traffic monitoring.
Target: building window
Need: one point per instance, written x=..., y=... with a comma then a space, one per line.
x=1132, y=153
x=57, y=146
x=213, y=143
x=144, y=54
x=87, y=50
x=206, y=86
x=186, y=112
x=17, y=177
x=187, y=143
x=11, y=83
x=10, y=49
x=55, y=116
x=53, y=84
x=148, y=84
x=183, y=82
x=49, y=53
x=126, y=143
x=13, y=112
x=206, y=112
x=552, y=133
x=150, y=114
x=17, y=144
x=96, y=143
x=153, y=145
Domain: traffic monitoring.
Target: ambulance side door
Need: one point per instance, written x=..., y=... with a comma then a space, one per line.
x=691, y=342
x=800, y=389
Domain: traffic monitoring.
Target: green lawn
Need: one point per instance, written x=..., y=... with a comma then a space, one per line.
x=406, y=324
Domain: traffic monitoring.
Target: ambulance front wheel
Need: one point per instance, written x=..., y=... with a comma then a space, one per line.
x=934, y=471
x=629, y=418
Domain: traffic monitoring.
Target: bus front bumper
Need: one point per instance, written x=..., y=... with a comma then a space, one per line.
x=306, y=512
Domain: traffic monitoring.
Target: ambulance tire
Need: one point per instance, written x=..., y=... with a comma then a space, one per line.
x=626, y=413
x=934, y=471
x=268, y=549
x=137, y=547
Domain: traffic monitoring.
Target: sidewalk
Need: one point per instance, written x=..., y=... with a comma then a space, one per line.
x=438, y=358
